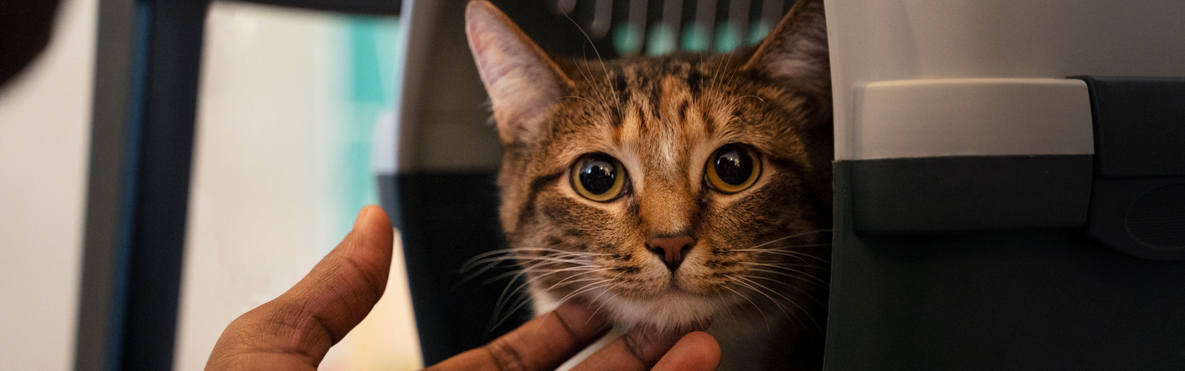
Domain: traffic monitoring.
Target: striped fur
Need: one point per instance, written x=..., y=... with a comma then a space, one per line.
x=759, y=267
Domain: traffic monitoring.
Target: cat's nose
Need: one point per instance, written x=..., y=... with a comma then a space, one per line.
x=671, y=249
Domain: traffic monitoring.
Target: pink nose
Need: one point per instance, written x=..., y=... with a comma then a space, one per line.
x=671, y=249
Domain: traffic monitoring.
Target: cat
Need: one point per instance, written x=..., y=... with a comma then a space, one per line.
x=674, y=190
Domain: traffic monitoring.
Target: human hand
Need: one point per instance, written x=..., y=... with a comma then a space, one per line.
x=294, y=331
x=546, y=341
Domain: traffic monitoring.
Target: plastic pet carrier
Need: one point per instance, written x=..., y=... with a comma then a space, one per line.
x=1009, y=175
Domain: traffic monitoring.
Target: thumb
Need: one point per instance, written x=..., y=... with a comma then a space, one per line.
x=340, y=290
x=299, y=326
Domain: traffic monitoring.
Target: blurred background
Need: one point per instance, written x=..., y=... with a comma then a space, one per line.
x=297, y=125
x=288, y=103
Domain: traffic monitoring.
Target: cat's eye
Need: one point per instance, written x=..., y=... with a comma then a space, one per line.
x=732, y=168
x=598, y=177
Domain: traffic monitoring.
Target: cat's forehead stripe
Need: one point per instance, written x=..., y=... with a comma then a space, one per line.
x=622, y=93
x=694, y=78
x=628, y=131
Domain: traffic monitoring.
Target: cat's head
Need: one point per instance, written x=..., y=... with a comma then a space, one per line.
x=666, y=190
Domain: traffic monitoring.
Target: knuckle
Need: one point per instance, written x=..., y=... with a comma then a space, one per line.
x=505, y=356
x=636, y=349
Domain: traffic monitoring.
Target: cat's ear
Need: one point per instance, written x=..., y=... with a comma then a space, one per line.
x=796, y=50
x=521, y=80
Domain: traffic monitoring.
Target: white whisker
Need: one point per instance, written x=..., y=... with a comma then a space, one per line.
x=788, y=269
x=805, y=292
x=820, y=282
x=793, y=236
x=791, y=301
x=766, y=320
x=749, y=283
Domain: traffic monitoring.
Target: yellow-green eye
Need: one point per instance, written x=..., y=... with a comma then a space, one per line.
x=733, y=168
x=598, y=177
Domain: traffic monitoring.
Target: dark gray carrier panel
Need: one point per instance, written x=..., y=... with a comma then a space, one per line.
x=1045, y=262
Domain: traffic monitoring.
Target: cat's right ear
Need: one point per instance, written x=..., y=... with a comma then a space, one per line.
x=796, y=50
x=523, y=83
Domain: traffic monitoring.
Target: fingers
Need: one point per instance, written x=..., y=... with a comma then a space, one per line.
x=295, y=330
x=542, y=343
x=695, y=352
x=643, y=347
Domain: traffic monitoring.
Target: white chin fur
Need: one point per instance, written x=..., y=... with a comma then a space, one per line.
x=672, y=310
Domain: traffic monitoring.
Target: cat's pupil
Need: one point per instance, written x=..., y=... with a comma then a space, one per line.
x=733, y=166
x=597, y=176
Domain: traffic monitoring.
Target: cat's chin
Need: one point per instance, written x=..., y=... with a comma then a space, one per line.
x=673, y=309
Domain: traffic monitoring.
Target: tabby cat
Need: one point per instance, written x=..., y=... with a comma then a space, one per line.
x=675, y=190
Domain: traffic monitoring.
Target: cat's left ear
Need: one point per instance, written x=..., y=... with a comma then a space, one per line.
x=796, y=50
x=522, y=81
